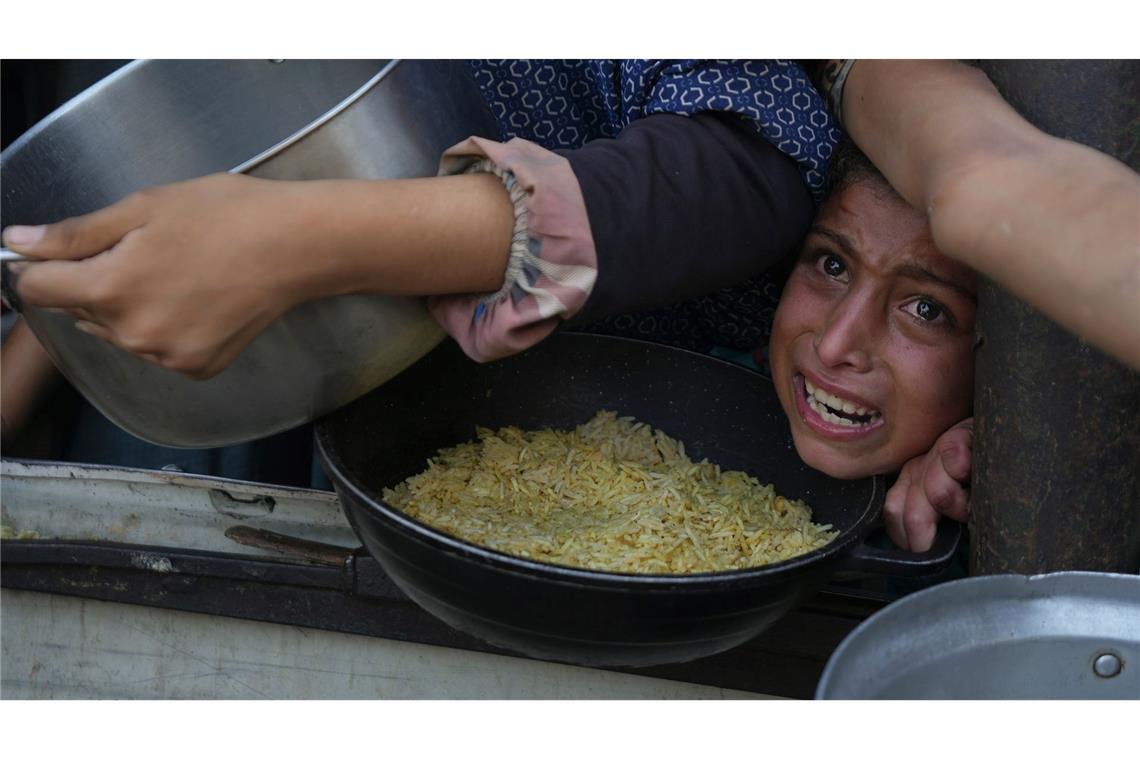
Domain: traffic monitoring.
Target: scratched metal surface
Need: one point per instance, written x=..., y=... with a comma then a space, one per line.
x=157, y=508
x=61, y=647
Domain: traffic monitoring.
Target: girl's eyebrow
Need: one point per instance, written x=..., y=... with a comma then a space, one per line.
x=911, y=269
x=915, y=271
x=838, y=238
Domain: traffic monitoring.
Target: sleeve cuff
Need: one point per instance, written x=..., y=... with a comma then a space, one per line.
x=553, y=261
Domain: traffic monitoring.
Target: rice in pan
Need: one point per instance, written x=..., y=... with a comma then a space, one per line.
x=613, y=494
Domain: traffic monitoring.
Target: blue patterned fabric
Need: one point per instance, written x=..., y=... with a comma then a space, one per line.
x=563, y=104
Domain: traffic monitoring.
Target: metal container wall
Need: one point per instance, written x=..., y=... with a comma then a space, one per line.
x=155, y=122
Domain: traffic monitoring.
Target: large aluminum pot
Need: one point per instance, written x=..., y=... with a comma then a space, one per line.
x=154, y=122
x=1068, y=635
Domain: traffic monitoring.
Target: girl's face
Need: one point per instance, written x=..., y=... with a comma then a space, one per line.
x=872, y=345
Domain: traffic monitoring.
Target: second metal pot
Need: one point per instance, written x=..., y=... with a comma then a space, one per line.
x=1069, y=635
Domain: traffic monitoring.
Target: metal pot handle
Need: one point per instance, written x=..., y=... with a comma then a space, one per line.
x=871, y=559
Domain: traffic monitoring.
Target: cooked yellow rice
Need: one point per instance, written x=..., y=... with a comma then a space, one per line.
x=614, y=495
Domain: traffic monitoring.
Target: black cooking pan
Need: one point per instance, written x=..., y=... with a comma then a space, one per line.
x=721, y=411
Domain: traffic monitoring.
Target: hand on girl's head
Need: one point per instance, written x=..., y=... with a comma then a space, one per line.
x=930, y=487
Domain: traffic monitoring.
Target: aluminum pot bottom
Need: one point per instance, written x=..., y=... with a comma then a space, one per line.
x=1068, y=635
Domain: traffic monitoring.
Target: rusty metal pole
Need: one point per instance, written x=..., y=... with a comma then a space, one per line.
x=1057, y=422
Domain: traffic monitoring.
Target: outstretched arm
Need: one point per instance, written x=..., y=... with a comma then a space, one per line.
x=1053, y=221
x=186, y=275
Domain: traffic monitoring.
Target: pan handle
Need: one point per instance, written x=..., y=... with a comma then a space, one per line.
x=870, y=559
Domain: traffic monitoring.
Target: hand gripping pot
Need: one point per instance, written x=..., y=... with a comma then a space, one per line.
x=155, y=122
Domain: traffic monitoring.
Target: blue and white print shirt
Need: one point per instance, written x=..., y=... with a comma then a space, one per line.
x=562, y=104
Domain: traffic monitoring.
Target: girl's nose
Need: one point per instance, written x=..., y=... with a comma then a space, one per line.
x=846, y=337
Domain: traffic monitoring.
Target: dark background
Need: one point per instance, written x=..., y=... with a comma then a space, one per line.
x=31, y=89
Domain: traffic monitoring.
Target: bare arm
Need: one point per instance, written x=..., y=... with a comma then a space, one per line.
x=1053, y=221
x=26, y=375
x=186, y=275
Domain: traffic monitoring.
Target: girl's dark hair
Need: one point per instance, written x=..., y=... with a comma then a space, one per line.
x=850, y=165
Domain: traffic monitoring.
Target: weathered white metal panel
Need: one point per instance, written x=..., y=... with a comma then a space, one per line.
x=60, y=647
x=158, y=508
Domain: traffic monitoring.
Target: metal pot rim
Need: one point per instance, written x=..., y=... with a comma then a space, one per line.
x=317, y=123
x=246, y=165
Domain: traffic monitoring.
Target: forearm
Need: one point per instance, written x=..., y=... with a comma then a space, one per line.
x=26, y=374
x=417, y=236
x=922, y=122
x=187, y=274
x=1060, y=229
x=1054, y=222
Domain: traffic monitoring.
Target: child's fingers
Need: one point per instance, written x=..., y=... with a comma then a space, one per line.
x=79, y=236
x=955, y=449
x=895, y=505
x=929, y=487
x=943, y=492
x=920, y=519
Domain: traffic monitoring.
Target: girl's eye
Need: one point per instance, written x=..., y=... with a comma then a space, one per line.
x=833, y=266
x=925, y=309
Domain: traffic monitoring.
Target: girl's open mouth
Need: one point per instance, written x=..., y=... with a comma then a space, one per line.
x=834, y=416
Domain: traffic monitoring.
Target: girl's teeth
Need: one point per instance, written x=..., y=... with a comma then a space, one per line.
x=823, y=412
x=819, y=400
